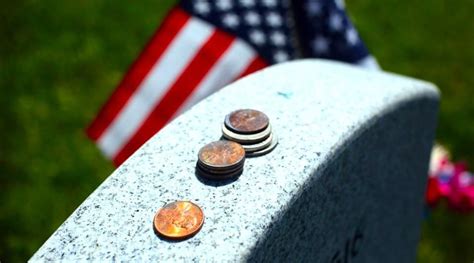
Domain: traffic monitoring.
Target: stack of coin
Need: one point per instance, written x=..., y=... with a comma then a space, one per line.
x=252, y=129
x=221, y=160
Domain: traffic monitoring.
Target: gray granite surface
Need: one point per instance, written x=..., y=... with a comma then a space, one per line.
x=345, y=183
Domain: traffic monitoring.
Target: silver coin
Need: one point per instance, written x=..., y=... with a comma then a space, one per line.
x=258, y=146
x=246, y=138
x=266, y=150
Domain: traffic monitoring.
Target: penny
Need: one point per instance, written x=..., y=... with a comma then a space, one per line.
x=266, y=150
x=178, y=220
x=246, y=121
x=219, y=176
x=219, y=171
x=221, y=154
x=246, y=138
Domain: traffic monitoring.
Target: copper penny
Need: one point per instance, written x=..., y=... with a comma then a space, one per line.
x=205, y=169
x=219, y=176
x=221, y=154
x=246, y=121
x=178, y=220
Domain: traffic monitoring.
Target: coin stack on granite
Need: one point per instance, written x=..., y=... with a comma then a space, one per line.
x=251, y=129
x=221, y=160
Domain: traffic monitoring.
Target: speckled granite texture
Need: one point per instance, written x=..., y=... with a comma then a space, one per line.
x=345, y=184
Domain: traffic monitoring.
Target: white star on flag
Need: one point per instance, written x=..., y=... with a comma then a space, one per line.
x=252, y=18
x=257, y=37
x=277, y=38
x=274, y=19
x=247, y=3
x=230, y=20
x=335, y=22
x=202, y=7
x=281, y=56
x=269, y=3
x=340, y=4
x=224, y=4
x=313, y=8
x=320, y=45
x=351, y=36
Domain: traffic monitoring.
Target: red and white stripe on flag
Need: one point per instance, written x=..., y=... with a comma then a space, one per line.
x=186, y=60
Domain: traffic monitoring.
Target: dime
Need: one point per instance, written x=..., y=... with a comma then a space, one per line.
x=221, y=155
x=246, y=121
x=178, y=220
x=258, y=146
x=266, y=150
x=246, y=138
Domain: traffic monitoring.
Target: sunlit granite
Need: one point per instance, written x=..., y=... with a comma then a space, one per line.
x=345, y=183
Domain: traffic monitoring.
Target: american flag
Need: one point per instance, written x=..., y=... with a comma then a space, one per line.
x=202, y=45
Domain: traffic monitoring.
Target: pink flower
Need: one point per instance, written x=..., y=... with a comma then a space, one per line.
x=449, y=181
x=461, y=197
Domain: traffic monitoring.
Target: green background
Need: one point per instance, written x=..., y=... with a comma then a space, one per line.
x=60, y=60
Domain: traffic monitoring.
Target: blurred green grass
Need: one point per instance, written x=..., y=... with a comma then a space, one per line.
x=60, y=60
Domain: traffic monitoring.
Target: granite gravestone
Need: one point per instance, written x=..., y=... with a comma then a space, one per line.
x=345, y=183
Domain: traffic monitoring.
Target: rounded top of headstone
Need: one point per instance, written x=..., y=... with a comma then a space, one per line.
x=247, y=121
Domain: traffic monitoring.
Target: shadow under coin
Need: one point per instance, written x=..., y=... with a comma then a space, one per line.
x=215, y=182
x=172, y=240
